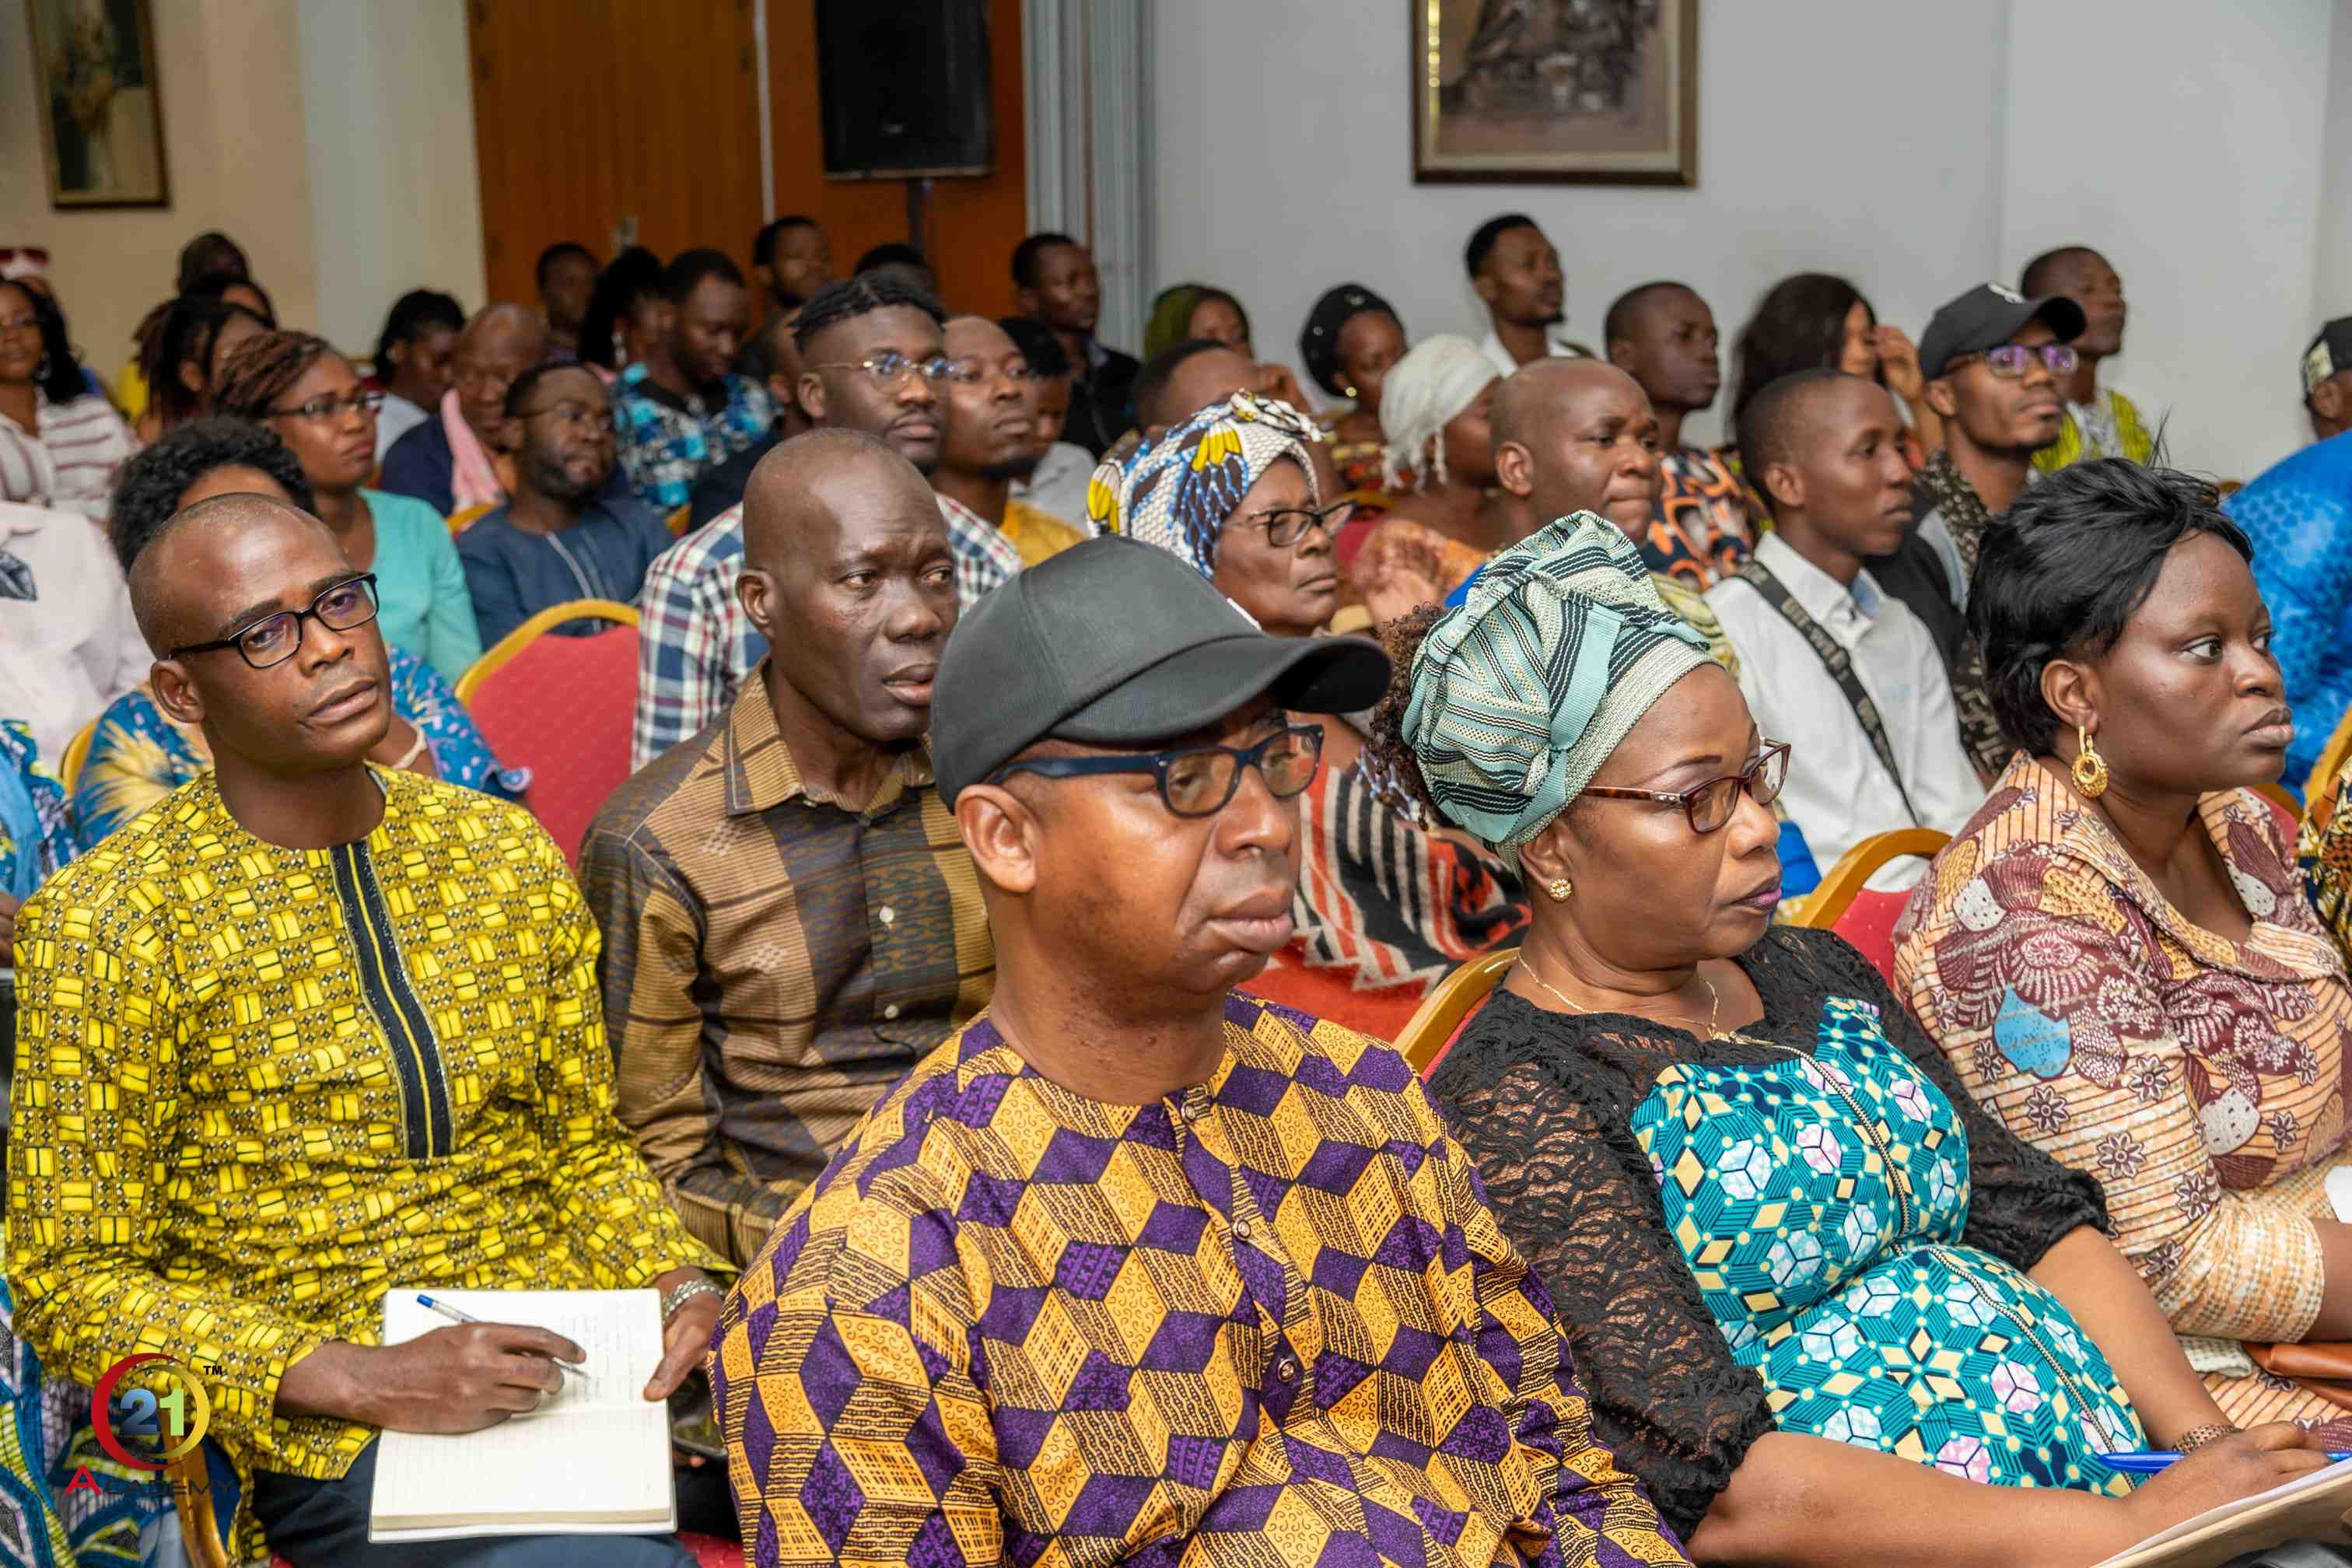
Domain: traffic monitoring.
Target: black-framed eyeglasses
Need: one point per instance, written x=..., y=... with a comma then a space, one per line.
x=1287, y=526
x=972, y=372
x=1710, y=806
x=329, y=407
x=889, y=369
x=1199, y=781
x=274, y=639
x=579, y=416
x=2009, y=360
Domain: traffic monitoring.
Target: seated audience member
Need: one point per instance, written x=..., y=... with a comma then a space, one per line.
x=561, y=537
x=791, y=260
x=873, y=358
x=60, y=443
x=1054, y=280
x=214, y=265
x=627, y=318
x=139, y=752
x=2118, y=959
x=1812, y=320
x=1434, y=412
x=2098, y=424
x=453, y=461
x=1058, y=485
x=413, y=362
x=1844, y=673
x=1196, y=310
x=683, y=410
x=565, y=274
x=309, y=395
x=2298, y=515
x=1134, y=834
x=989, y=440
x=790, y=920
x=1351, y=341
x=183, y=351
x=1992, y=358
x=771, y=358
x=1516, y=272
x=902, y=264
x=1663, y=335
x=1749, y=1185
x=298, y=910
x=67, y=644
x=1384, y=908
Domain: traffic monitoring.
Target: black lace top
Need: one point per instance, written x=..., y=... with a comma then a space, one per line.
x=1545, y=1103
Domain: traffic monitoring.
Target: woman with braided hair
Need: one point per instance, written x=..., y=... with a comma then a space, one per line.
x=299, y=387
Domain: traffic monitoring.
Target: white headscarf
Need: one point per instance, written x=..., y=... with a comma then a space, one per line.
x=1437, y=379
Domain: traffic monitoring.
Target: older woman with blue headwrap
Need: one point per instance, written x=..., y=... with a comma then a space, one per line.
x=1817, y=1296
x=1385, y=908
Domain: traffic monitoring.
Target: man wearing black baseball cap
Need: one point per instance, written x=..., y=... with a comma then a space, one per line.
x=1994, y=362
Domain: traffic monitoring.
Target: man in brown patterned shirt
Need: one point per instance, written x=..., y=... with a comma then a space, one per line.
x=790, y=920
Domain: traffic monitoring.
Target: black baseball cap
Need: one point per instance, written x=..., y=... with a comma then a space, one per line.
x=2329, y=353
x=1116, y=643
x=1988, y=316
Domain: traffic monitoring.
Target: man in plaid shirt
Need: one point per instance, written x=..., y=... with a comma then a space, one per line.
x=873, y=353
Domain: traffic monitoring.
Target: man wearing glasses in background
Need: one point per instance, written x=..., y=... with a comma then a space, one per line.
x=562, y=536
x=454, y=459
x=308, y=1030
x=1134, y=1264
x=1995, y=362
x=873, y=359
x=990, y=440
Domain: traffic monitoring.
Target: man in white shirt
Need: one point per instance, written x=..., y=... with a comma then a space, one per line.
x=67, y=644
x=1516, y=272
x=1845, y=673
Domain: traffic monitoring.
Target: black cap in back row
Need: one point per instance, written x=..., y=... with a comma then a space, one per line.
x=1988, y=316
x=1114, y=643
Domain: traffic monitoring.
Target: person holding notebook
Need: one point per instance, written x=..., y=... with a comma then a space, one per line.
x=1133, y=1264
x=306, y=1031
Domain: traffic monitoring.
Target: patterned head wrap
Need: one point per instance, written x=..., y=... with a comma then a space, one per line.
x=1177, y=493
x=1436, y=380
x=1318, y=340
x=1522, y=692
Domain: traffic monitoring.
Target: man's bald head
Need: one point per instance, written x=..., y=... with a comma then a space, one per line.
x=171, y=576
x=1578, y=435
x=805, y=483
x=496, y=346
x=1551, y=388
x=505, y=323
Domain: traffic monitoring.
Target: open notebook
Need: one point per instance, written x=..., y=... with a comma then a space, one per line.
x=594, y=1459
x=2309, y=1508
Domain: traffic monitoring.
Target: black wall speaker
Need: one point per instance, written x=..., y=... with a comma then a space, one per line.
x=904, y=85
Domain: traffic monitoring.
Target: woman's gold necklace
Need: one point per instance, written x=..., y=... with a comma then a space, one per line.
x=1714, y=1016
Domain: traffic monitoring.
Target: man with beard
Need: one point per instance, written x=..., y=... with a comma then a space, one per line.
x=1516, y=272
x=2098, y=424
x=790, y=920
x=560, y=538
x=684, y=412
x=1663, y=335
x=1053, y=279
x=990, y=440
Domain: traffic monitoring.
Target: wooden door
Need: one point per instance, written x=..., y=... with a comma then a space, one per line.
x=590, y=113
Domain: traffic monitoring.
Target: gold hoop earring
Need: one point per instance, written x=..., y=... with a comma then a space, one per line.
x=1560, y=889
x=2090, y=768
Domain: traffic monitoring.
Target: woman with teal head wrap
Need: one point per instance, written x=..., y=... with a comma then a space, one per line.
x=1752, y=1188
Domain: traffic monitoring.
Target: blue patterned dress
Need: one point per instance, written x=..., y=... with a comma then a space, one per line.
x=1811, y=1230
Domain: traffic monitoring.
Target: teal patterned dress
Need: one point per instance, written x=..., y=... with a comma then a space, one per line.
x=1811, y=1230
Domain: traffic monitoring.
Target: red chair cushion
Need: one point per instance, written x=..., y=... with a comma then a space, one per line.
x=711, y=1551
x=562, y=708
x=1869, y=924
x=1325, y=992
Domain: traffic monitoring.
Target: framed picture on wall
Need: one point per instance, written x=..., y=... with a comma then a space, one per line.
x=101, y=108
x=1597, y=91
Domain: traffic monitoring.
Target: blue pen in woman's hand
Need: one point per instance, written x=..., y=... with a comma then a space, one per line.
x=2153, y=1462
x=456, y=1315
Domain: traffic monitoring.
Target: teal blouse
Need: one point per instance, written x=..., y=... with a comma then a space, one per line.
x=420, y=586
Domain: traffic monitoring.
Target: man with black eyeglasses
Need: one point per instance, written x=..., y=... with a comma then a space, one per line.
x=1133, y=1262
x=306, y=1030
x=562, y=536
x=1995, y=362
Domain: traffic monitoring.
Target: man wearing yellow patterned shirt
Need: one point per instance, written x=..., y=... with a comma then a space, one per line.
x=305, y=1031
x=1135, y=1267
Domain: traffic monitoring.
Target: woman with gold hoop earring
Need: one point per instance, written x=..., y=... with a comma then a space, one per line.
x=2118, y=956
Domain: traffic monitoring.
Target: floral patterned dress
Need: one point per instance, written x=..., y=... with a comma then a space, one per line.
x=2200, y=1079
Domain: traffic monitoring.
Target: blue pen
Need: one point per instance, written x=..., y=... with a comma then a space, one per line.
x=456, y=1316
x=2150, y=1464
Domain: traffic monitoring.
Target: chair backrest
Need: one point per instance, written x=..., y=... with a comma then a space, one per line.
x=1423, y=1039
x=464, y=516
x=677, y=521
x=190, y=1480
x=2319, y=789
x=77, y=754
x=1845, y=903
x=562, y=707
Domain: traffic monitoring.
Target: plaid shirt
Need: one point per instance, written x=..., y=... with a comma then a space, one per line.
x=695, y=645
x=774, y=960
x=667, y=442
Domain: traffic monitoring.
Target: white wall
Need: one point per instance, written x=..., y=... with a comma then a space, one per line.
x=1903, y=144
